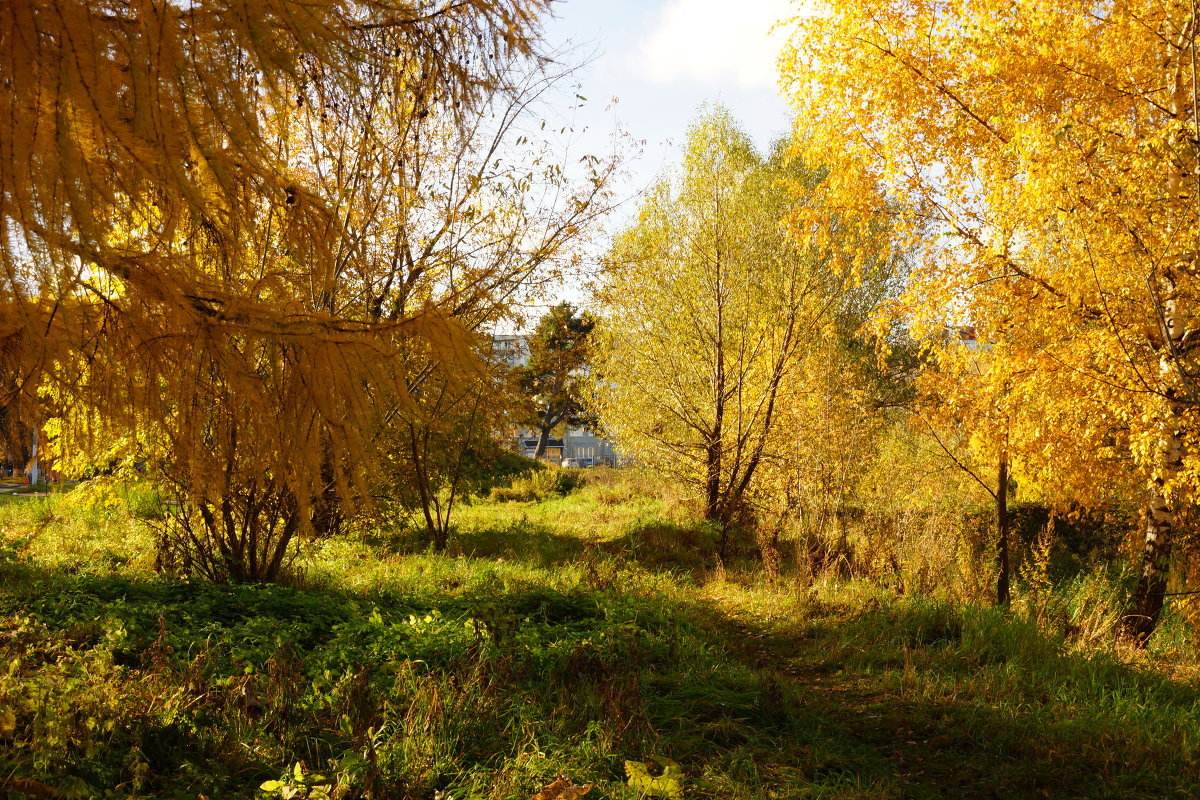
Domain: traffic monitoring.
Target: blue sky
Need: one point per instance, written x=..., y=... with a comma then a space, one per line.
x=661, y=59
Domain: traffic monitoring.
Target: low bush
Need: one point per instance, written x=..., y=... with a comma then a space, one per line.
x=537, y=485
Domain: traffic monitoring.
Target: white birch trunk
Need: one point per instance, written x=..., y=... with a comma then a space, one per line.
x=1148, y=599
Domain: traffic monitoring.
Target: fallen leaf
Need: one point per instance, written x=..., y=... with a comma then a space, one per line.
x=562, y=789
x=8, y=723
x=669, y=784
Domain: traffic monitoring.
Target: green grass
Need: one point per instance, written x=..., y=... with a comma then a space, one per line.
x=567, y=635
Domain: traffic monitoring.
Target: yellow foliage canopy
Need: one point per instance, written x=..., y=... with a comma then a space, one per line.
x=1046, y=151
x=712, y=312
x=170, y=240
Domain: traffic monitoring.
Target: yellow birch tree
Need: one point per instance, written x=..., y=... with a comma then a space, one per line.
x=710, y=309
x=1050, y=148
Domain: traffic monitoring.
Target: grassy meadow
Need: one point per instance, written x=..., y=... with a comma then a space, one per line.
x=563, y=635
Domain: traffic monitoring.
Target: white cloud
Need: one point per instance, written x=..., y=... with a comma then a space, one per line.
x=716, y=42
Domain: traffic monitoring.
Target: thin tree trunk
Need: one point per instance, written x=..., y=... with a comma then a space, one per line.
x=712, y=478
x=327, y=507
x=421, y=475
x=443, y=532
x=1146, y=605
x=713, y=506
x=1002, y=588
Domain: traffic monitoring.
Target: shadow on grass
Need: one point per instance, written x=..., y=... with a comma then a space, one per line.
x=922, y=700
x=652, y=544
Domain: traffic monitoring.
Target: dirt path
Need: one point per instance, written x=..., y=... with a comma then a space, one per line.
x=878, y=726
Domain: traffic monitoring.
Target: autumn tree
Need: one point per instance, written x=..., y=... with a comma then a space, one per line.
x=187, y=250
x=857, y=381
x=429, y=459
x=965, y=407
x=711, y=306
x=553, y=376
x=460, y=215
x=1051, y=147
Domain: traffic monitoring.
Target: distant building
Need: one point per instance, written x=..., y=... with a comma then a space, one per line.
x=512, y=349
x=968, y=335
x=527, y=443
x=577, y=443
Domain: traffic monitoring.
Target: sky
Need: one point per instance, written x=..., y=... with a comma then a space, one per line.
x=660, y=60
x=648, y=66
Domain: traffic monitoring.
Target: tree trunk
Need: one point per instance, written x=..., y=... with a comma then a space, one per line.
x=34, y=472
x=418, y=451
x=1002, y=589
x=1146, y=605
x=712, y=480
x=1147, y=602
x=713, y=509
x=328, y=511
x=543, y=439
x=441, y=537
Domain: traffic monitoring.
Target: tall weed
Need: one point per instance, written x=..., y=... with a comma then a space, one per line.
x=537, y=485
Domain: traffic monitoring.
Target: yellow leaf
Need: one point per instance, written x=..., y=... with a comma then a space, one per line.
x=8, y=723
x=669, y=784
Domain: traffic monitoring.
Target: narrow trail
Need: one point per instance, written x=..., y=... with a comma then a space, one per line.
x=877, y=729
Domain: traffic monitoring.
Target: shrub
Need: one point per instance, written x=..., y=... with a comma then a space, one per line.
x=537, y=485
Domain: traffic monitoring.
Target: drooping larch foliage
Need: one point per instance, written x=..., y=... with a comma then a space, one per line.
x=187, y=194
x=1048, y=150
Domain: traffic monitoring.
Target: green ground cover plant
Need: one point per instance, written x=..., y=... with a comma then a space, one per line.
x=566, y=635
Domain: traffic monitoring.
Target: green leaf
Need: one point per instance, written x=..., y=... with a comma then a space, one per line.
x=8, y=723
x=270, y=786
